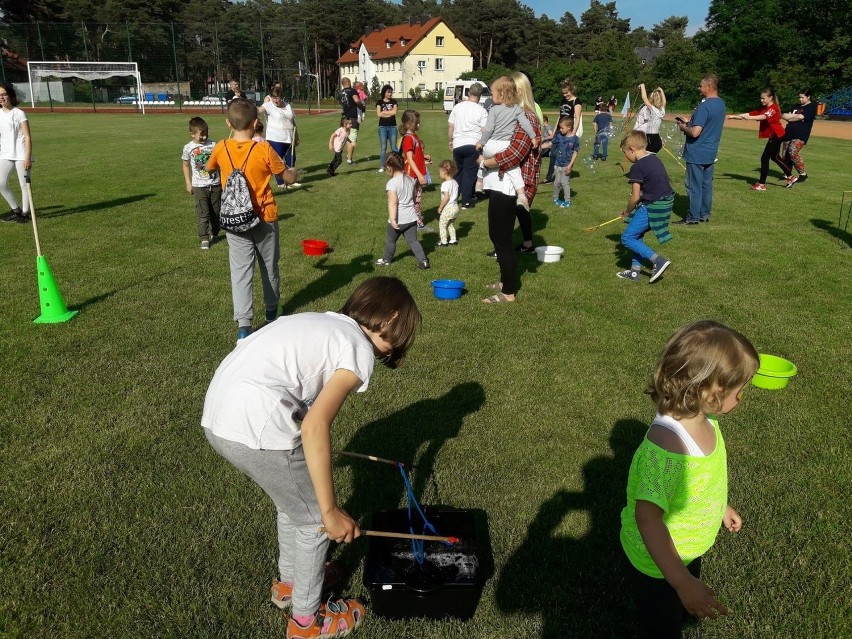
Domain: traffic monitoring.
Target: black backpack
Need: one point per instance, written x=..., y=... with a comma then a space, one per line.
x=236, y=212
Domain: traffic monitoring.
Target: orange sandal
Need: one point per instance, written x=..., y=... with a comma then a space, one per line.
x=335, y=618
x=281, y=593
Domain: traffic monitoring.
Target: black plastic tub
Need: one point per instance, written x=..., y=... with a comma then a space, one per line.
x=448, y=584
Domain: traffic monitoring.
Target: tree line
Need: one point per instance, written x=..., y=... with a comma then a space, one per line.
x=749, y=44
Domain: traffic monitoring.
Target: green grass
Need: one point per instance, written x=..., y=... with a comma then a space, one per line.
x=120, y=521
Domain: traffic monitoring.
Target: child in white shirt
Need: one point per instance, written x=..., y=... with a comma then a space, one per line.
x=448, y=209
x=503, y=118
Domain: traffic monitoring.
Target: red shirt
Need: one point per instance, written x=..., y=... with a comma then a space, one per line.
x=770, y=127
x=410, y=142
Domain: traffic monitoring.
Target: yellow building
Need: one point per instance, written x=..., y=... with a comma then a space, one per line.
x=424, y=55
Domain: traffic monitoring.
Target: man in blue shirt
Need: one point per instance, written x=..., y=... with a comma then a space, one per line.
x=703, y=134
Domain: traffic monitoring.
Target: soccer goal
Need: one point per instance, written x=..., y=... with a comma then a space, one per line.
x=85, y=71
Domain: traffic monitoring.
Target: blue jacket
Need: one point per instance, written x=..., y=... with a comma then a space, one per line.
x=563, y=148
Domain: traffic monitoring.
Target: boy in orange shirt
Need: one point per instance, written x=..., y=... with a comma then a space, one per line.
x=261, y=242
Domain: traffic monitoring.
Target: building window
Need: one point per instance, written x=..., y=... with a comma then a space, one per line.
x=402, y=42
x=422, y=86
x=421, y=65
x=388, y=44
x=439, y=41
x=439, y=86
x=439, y=64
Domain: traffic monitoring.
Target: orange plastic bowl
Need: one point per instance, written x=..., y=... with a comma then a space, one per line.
x=314, y=247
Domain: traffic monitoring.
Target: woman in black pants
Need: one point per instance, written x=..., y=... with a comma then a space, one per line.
x=501, y=225
x=502, y=202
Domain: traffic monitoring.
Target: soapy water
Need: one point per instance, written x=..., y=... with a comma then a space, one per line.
x=441, y=564
x=465, y=564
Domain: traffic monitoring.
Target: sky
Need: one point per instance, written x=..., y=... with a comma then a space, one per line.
x=641, y=13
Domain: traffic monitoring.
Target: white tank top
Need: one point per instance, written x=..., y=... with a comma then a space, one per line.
x=670, y=423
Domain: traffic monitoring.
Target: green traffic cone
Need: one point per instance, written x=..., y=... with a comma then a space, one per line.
x=53, y=308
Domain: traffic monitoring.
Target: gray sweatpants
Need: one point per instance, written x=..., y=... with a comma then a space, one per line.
x=261, y=241
x=561, y=182
x=409, y=232
x=283, y=475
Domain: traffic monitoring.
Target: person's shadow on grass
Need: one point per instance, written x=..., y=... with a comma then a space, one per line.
x=578, y=585
x=623, y=255
x=333, y=278
x=413, y=436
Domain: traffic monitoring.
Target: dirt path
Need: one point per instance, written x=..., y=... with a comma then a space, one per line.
x=822, y=128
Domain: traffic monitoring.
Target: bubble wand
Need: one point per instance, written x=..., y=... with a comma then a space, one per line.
x=595, y=228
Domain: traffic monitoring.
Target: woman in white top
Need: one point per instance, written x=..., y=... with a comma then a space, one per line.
x=16, y=151
x=650, y=117
x=281, y=132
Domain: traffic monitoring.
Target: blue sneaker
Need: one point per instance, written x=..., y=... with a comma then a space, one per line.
x=558, y=202
x=566, y=204
x=243, y=332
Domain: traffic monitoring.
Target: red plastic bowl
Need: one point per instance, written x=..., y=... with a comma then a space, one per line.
x=314, y=247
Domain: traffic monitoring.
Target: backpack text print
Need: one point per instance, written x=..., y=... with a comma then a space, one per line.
x=236, y=212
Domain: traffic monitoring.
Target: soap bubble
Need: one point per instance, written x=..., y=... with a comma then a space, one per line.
x=590, y=164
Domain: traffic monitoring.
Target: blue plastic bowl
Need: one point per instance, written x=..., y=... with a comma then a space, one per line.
x=447, y=289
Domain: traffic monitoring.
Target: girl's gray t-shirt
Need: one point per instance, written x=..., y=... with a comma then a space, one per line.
x=403, y=186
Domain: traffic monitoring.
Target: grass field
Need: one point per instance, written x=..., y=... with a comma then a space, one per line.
x=120, y=521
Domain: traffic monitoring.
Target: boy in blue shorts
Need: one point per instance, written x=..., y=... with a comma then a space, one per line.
x=649, y=207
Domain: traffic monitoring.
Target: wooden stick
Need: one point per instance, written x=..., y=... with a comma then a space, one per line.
x=346, y=453
x=32, y=212
x=396, y=535
x=595, y=228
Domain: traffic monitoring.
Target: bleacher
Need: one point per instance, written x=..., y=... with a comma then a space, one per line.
x=838, y=105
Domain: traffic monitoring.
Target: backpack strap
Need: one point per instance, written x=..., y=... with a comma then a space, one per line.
x=243, y=168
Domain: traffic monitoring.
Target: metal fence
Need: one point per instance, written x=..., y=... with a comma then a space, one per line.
x=182, y=61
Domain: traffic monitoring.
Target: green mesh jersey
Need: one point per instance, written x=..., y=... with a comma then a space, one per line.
x=691, y=491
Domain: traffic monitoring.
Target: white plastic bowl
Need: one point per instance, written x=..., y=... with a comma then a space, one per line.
x=549, y=253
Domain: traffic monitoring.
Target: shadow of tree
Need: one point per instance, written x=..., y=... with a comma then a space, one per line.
x=94, y=206
x=333, y=278
x=413, y=436
x=844, y=236
x=578, y=585
x=104, y=296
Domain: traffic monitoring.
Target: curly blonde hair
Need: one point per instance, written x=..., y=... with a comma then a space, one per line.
x=696, y=362
x=505, y=88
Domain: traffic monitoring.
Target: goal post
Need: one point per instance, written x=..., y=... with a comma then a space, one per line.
x=37, y=71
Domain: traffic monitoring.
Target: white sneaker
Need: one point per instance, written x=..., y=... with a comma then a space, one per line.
x=380, y=171
x=349, y=162
x=295, y=185
x=381, y=262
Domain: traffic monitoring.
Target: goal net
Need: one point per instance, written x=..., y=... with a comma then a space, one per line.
x=38, y=71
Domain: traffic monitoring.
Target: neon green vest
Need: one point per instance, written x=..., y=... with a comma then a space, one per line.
x=691, y=491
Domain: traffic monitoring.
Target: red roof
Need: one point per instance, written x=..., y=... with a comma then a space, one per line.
x=12, y=60
x=377, y=41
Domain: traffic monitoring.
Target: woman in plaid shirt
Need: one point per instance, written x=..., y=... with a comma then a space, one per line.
x=502, y=200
